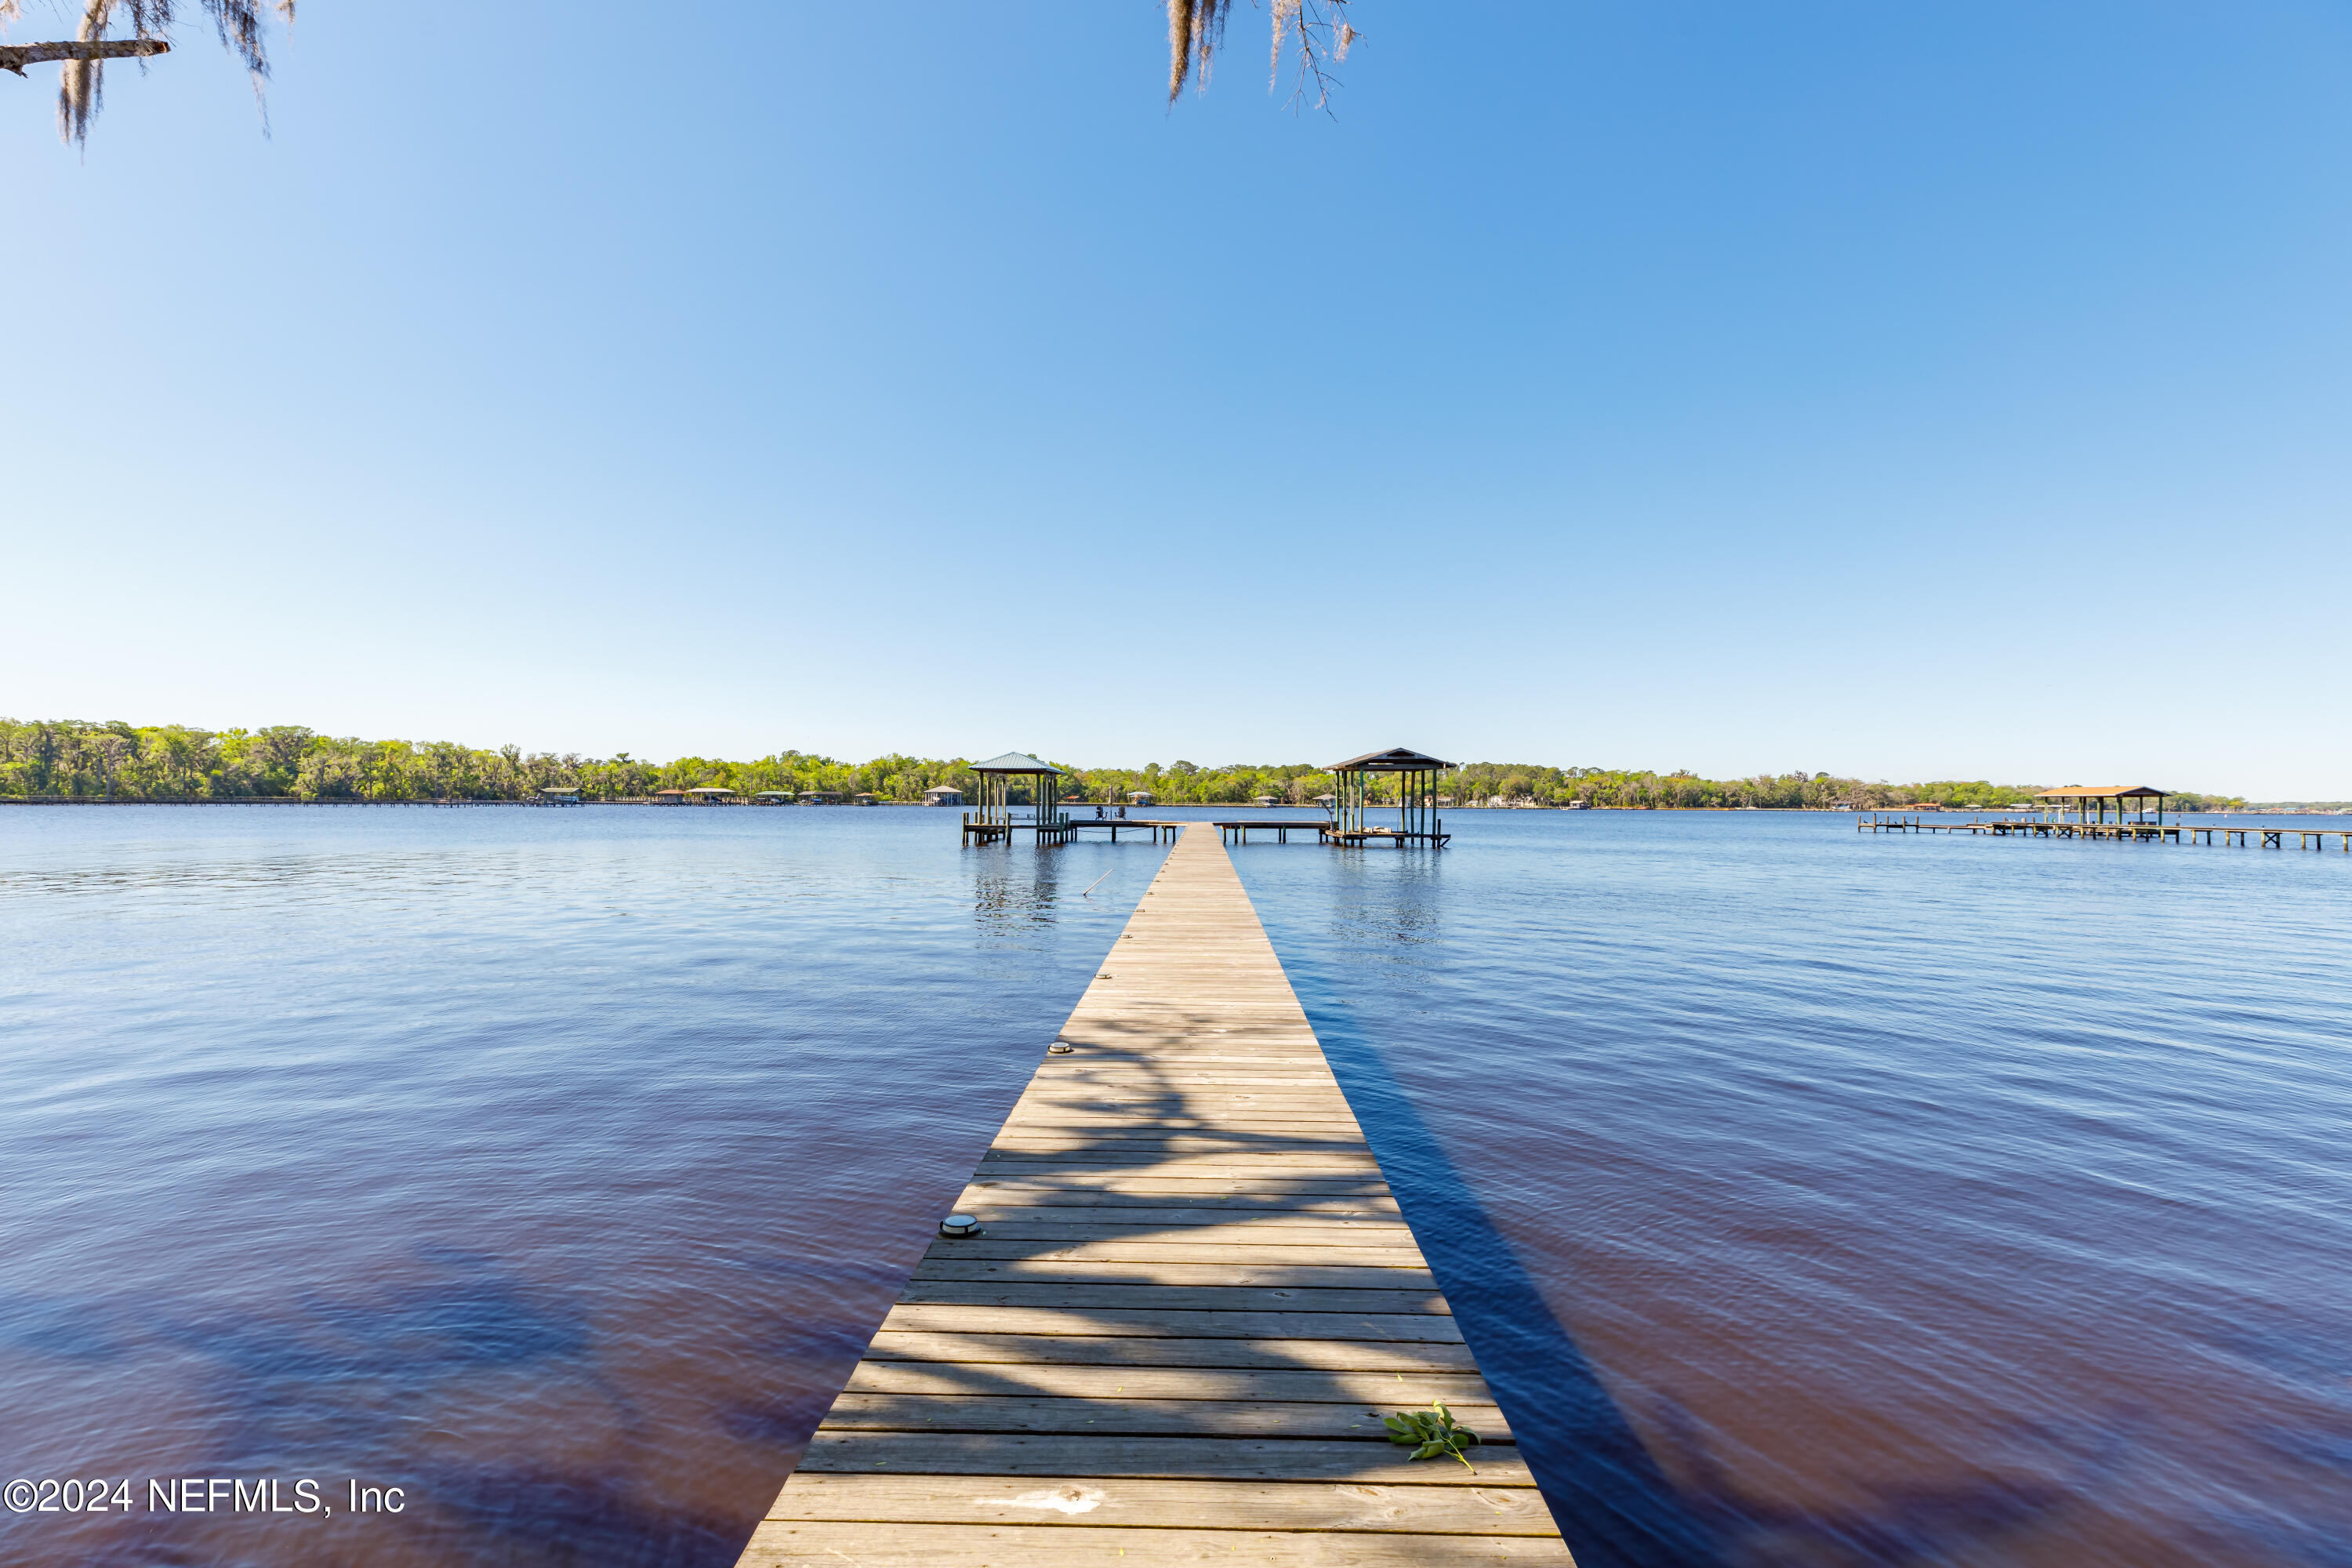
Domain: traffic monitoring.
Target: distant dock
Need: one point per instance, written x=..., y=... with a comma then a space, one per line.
x=1189, y=1307
x=1410, y=790
x=1322, y=831
x=2264, y=835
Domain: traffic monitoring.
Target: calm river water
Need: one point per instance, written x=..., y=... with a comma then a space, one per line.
x=1811, y=1199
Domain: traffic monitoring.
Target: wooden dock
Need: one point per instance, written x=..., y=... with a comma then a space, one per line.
x=1067, y=830
x=1326, y=832
x=2261, y=835
x=1192, y=1304
x=1358, y=837
x=1282, y=827
x=1158, y=827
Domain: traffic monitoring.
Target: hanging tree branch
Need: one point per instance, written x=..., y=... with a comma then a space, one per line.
x=1315, y=31
x=1318, y=31
x=16, y=57
x=81, y=86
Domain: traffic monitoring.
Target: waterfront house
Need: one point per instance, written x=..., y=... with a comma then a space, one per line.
x=943, y=795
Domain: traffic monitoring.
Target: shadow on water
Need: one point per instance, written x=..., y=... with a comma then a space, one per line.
x=367, y=1379
x=348, y=1369
x=577, y=1520
x=69, y=1328
x=1612, y=1502
x=1615, y=1504
x=823, y=1346
x=1619, y=1501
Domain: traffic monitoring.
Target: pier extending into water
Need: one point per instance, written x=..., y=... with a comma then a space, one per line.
x=1412, y=776
x=2258, y=835
x=1190, y=1303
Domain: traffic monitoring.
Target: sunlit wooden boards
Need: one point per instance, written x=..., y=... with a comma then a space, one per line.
x=1192, y=1304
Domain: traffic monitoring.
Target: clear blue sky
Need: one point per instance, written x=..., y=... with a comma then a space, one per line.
x=1901, y=390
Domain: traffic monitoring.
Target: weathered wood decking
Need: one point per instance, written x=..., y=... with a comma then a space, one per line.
x=1193, y=1302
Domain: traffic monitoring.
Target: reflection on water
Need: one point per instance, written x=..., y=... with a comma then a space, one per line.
x=1811, y=1199
x=1814, y=1198
x=1014, y=894
x=553, y=1167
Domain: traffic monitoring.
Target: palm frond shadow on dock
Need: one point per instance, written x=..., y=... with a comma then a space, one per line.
x=1193, y=1304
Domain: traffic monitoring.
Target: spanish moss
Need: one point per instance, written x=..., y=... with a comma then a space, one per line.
x=1315, y=33
x=82, y=84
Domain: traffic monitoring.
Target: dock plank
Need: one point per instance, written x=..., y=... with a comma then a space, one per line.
x=1255, y=1458
x=1218, y=1383
x=1047, y=1228
x=1287, y=1273
x=1236, y=1505
x=898, y=1544
x=1303, y=1248
x=1153, y=1184
x=1047, y=1352
x=1116, y=1208
x=1101, y=1414
x=1192, y=1302
x=1075, y=1294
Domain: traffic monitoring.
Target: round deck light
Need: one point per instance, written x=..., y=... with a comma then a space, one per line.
x=1060, y=1048
x=958, y=1224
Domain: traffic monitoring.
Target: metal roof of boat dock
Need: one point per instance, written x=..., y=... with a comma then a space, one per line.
x=1015, y=762
x=2104, y=792
x=1396, y=760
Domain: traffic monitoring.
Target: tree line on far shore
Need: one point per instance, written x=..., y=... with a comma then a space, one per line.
x=1533, y=784
x=71, y=759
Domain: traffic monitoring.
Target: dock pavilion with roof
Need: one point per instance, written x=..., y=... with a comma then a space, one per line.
x=2081, y=799
x=1416, y=775
x=2067, y=813
x=994, y=819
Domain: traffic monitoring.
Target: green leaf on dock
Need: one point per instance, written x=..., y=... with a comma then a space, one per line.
x=1433, y=1431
